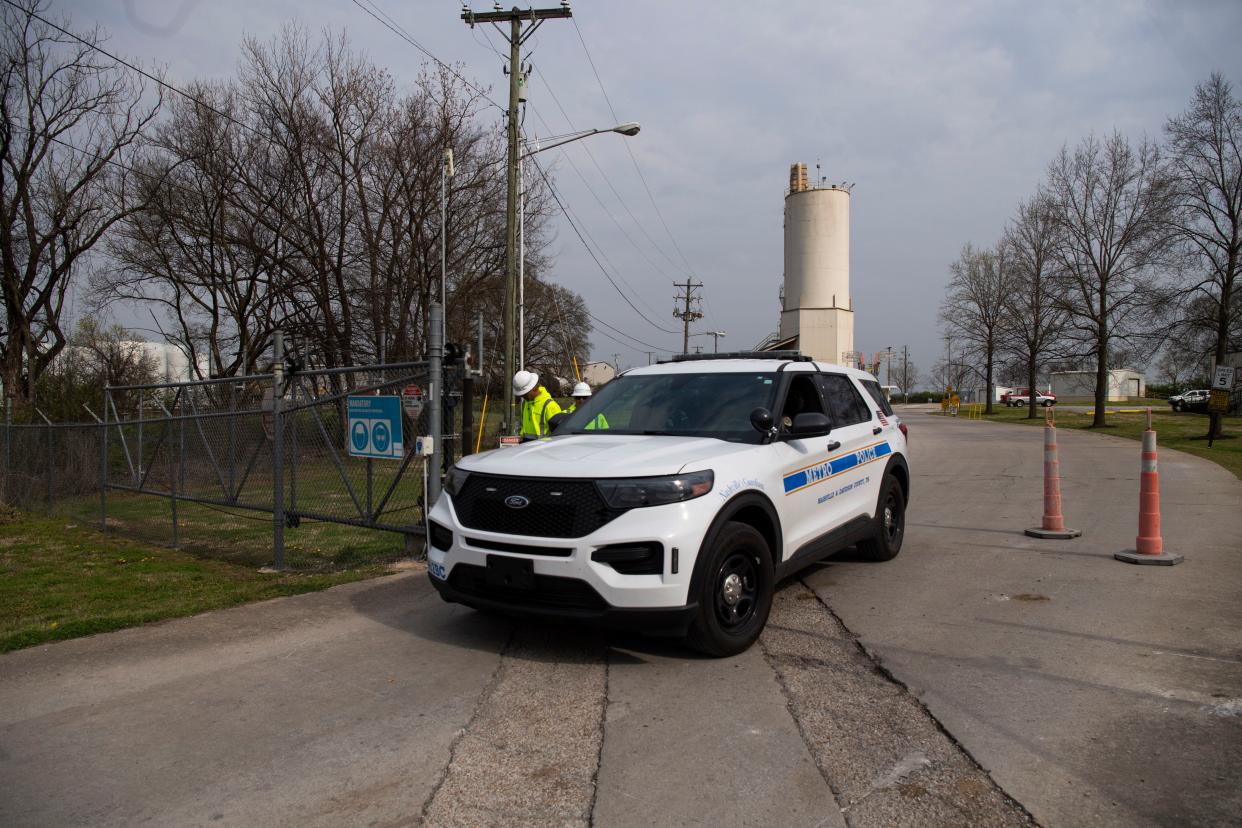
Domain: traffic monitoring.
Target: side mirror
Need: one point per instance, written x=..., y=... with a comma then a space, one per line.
x=810, y=424
x=555, y=420
x=761, y=420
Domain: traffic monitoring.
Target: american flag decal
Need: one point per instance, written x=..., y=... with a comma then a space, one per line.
x=883, y=419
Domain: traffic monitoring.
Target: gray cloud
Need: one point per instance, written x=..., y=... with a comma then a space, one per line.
x=945, y=114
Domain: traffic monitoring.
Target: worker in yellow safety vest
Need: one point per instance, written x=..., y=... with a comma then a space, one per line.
x=538, y=406
x=582, y=393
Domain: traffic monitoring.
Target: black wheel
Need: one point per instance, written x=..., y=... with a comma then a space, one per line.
x=1048, y=403
x=1179, y=405
x=735, y=593
x=890, y=523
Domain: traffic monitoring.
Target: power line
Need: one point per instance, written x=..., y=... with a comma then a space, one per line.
x=598, y=200
x=557, y=197
x=620, y=200
x=396, y=28
x=197, y=101
x=598, y=246
x=627, y=336
x=634, y=160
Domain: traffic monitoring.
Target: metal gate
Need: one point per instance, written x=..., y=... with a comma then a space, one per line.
x=268, y=444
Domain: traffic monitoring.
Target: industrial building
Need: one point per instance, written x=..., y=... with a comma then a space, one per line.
x=817, y=314
x=1122, y=385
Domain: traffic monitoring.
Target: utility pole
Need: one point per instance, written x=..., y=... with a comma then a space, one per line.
x=650, y=356
x=517, y=37
x=686, y=314
x=905, y=373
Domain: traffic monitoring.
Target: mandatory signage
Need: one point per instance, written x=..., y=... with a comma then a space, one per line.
x=375, y=428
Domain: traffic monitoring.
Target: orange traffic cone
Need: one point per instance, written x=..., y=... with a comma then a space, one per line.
x=1053, y=526
x=1149, y=546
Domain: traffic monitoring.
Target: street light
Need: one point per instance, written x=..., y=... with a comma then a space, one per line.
x=628, y=129
x=716, y=337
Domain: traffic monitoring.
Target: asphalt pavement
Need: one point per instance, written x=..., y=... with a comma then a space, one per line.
x=1094, y=691
x=980, y=678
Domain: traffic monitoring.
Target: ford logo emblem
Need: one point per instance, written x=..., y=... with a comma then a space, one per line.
x=517, y=502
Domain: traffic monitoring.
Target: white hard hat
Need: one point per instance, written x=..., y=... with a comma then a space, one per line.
x=581, y=390
x=524, y=381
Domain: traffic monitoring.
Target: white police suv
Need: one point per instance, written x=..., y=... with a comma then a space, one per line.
x=717, y=475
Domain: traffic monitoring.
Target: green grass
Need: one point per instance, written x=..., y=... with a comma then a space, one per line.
x=240, y=536
x=62, y=580
x=1182, y=431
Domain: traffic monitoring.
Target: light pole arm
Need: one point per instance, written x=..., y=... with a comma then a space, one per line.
x=626, y=129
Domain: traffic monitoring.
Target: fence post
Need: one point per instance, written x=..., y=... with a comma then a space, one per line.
x=8, y=446
x=103, y=463
x=141, y=400
x=232, y=421
x=467, y=411
x=278, y=452
x=172, y=479
x=51, y=460
x=436, y=378
x=293, y=446
x=47, y=471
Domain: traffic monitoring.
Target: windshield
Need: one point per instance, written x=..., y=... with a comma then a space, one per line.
x=698, y=405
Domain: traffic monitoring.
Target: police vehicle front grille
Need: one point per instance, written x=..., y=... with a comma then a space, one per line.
x=556, y=508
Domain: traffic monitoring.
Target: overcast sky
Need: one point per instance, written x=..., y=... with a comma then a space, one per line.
x=943, y=114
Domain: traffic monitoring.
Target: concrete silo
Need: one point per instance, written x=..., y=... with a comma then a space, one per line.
x=817, y=315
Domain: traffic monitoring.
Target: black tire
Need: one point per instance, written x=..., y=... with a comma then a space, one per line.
x=890, y=524
x=1179, y=405
x=735, y=592
x=1048, y=403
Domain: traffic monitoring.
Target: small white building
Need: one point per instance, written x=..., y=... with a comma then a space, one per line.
x=1123, y=384
x=979, y=394
x=596, y=374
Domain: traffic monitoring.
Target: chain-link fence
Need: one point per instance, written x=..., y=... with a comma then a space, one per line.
x=242, y=470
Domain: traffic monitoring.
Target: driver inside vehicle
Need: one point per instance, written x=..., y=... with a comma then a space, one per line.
x=801, y=398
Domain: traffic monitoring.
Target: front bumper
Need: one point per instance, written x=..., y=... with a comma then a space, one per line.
x=569, y=584
x=666, y=621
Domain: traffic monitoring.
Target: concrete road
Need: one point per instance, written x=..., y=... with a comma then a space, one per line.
x=1063, y=672
x=1095, y=692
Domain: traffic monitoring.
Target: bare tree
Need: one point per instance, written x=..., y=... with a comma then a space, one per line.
x=306, y=195
x=907, y=377
x=204, y=249
x=1034, y=320
x=1111, y=205
x=973, y=310
x=97, y=355
x=1205, y=145
x=72, y=125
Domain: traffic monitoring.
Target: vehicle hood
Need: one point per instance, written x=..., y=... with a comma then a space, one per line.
x=599, y=456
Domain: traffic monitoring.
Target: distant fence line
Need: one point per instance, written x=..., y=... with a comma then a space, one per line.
x=241, y=444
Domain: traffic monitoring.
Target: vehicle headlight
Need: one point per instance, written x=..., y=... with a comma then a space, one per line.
x=630, y=493
x=455, y=480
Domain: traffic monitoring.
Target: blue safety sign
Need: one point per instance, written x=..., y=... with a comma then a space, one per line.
x=375, y=428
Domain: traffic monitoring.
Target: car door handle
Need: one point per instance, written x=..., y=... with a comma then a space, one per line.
x=876, y=430
x=834, y=445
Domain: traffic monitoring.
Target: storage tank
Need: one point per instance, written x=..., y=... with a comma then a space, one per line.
x=816, y=305
x=817, y=248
